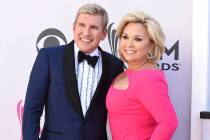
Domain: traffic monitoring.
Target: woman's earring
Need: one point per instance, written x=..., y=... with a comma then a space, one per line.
x=150, y=56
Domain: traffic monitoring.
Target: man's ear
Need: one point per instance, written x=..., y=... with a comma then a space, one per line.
x=73, y=27
x=104, y=34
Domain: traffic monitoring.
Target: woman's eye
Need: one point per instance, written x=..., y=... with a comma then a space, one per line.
x=138, y=39
x=124, y=37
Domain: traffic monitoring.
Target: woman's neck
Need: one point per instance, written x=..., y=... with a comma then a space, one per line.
x=139, y=66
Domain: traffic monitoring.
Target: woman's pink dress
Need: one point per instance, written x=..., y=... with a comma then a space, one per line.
x=143, y=111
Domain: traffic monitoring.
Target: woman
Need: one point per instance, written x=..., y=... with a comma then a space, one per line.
x=138, y=104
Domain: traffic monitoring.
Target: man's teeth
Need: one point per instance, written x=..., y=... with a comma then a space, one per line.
x=85, y=40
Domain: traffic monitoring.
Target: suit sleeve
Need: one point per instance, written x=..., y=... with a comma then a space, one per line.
x=154, y=96
x=36, y=96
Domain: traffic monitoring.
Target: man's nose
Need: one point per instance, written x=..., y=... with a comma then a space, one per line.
x=86, y=31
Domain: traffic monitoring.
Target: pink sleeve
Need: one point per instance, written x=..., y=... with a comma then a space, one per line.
x=153, y=94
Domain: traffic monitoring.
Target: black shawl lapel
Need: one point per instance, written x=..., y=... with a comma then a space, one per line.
x=70, y=79
x=101, y=90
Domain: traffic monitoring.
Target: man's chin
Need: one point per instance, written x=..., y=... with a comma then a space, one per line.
x=86, y=50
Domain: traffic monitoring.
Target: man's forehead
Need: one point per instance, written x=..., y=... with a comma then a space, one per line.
x=90, y=19
x=86, y=15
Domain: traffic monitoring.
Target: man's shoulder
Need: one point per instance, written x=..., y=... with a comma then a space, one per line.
x=53, y=49
x=111, y=56
x=114, y=60
x=53, y=52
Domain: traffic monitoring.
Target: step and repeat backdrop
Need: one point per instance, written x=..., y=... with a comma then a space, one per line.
x=26, y=26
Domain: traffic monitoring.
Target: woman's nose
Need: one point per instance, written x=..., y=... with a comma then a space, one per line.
x=130, y=43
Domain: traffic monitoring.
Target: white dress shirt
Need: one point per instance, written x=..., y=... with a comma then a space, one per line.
x=87, y=78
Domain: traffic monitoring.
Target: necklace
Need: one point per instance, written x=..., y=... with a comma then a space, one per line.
x=139, y=66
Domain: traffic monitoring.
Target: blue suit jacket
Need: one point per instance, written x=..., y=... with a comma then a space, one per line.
x=53, y=86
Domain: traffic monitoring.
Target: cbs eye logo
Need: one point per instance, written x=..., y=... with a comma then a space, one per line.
x=49, y=38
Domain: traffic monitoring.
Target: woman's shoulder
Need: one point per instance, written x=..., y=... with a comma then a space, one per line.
x=151, y=72
x=147, y=76
x=150, y=80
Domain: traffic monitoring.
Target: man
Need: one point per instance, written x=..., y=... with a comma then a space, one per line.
x=71, y=83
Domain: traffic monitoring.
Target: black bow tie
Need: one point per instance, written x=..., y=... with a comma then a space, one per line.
x=92, y=60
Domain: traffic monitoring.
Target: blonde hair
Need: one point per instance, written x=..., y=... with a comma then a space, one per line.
x=93, y=9
x=153, y=28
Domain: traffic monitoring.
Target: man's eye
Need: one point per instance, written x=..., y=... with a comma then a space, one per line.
x=94, y=27
x=80, y=25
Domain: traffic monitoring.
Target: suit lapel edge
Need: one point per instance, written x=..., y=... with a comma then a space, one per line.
x=71, y=80
x=103, y=83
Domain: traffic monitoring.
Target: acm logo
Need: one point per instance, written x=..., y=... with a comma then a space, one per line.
x=174, y=64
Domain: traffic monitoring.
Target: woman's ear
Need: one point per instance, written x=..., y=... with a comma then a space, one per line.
x=151, y=48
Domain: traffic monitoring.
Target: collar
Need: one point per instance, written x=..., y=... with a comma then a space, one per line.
x=94, y=53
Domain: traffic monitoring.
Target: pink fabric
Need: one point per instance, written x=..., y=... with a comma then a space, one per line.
x=143, y=111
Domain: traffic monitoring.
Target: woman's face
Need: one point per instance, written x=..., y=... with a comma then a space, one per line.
x=135, y=43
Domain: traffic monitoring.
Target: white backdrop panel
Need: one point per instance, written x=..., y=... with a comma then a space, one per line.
x=23, y=21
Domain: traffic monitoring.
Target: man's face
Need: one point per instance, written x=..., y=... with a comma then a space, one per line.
x=88, y=32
